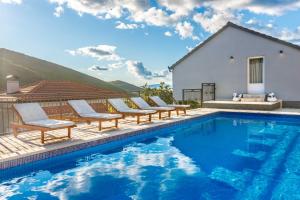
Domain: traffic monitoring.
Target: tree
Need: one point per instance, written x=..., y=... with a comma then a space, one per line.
x=163, y=91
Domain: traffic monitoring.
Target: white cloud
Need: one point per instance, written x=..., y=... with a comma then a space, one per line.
x=269, y=25
x=116, y=65
x=274, y=8
x=100, y=52
x=135, y=10
x=168, y=34
x=251, y=22
x=11, y=1
x=269, y=7
x=138, y=69
x=171, y=12
x=109, y=67
x=153, y=16
x=58, y=11
x=189, y=48
x=185, y=30
x=218, y=13
x=212, y=20
x=97, y=68
x=121, y=25
x=179, y=8
x=104, y=9
x=291, y=36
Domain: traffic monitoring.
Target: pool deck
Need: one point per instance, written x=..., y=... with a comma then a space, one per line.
x=27, y=147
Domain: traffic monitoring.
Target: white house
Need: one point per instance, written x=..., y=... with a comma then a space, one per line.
x=241, y=60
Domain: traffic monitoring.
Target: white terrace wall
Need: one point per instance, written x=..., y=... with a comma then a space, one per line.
x=211, y=63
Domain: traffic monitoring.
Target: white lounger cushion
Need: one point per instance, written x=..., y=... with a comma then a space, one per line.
x=121, y=106
x=51, y=123
x=169, y=108
x=161, y=103
x=81, y=107
x=140, y=111
x=85, y=110
x=158, y=101
x=102, y=115
x=30, y=112
x=141, y=103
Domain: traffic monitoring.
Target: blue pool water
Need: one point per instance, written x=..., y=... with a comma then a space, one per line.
x=221, y=156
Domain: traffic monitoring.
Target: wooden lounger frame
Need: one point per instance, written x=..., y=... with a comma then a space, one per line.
x=42, y=129
x=92, y=119
x=159, y=111
x=180, y=109
x=137, y=115
x=176, y=108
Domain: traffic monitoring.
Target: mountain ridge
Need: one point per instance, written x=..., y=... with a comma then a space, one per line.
x=30, y=69
x=126, y=86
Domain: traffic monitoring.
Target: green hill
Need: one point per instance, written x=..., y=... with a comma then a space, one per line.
x=30, y=70
x=125, y=86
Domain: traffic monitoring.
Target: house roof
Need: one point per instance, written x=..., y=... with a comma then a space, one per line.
x=230, y=24
x=54, y=90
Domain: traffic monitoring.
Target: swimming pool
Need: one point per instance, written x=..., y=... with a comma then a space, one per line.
x=219, y=156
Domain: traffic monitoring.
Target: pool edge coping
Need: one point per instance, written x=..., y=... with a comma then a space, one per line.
x=19, y=160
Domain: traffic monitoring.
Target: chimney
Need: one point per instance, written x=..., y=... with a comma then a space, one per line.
x=12, y=84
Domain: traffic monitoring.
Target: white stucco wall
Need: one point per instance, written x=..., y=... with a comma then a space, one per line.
x=211, y=63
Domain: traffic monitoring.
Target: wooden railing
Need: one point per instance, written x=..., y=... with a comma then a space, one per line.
x=55, y=107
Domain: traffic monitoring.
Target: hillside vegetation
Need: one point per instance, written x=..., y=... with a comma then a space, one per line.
x=126, y=86
x=30, y=70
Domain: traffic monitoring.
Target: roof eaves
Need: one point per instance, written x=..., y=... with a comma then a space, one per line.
x=238, y=27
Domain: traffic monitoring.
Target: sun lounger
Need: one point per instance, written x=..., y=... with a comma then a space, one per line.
x=85, y=112
x=159, y=102
x=121, y=107
x=142, y=104
x=33, y=117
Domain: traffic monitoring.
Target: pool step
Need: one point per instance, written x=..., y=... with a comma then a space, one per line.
x=264, y=141
x=265, y=134
x=234, y=179
x=260, y=155
x=289, y=182
x=258, y=188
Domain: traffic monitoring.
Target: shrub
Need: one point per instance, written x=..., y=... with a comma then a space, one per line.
x=163, y=91
x=194, y=104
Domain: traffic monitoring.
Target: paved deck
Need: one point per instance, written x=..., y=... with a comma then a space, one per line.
x=27, y=147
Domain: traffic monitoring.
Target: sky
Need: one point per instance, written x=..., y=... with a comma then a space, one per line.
x=133, y=40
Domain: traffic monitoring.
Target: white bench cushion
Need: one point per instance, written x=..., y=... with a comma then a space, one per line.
x=51, y=123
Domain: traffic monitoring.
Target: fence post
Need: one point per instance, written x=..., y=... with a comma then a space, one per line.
x=106, y=104
x=60, y=106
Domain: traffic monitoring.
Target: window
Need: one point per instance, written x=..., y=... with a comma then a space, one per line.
x=256, y=70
